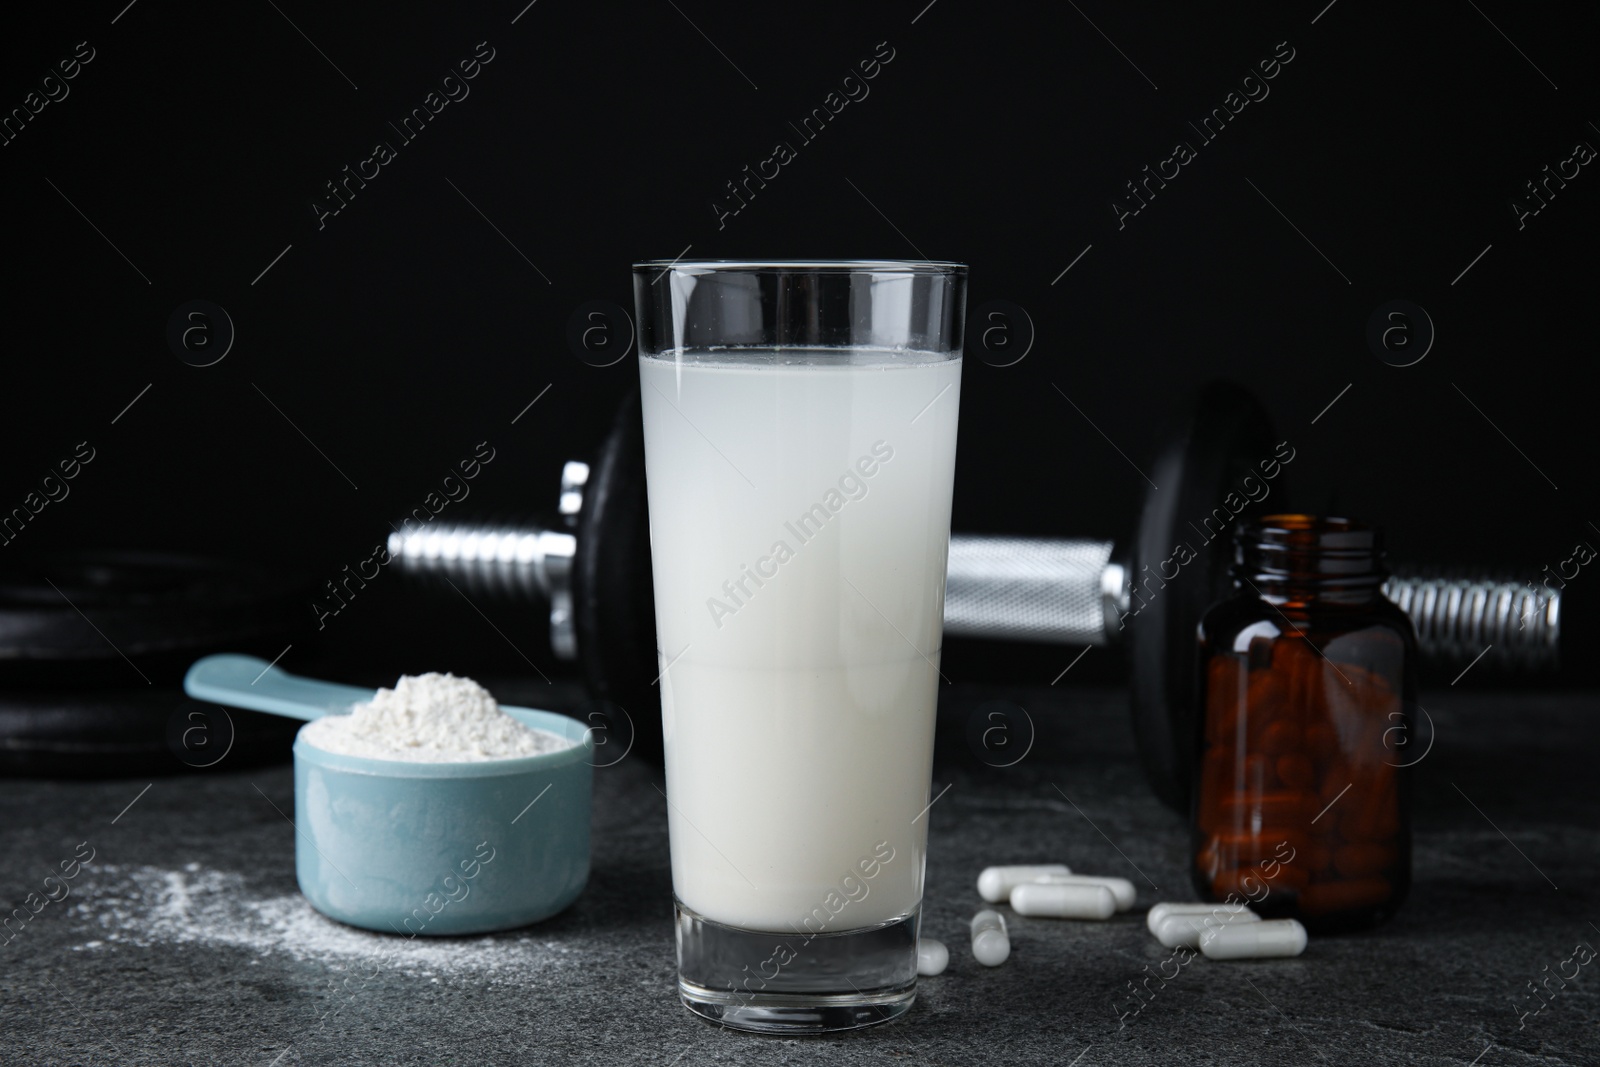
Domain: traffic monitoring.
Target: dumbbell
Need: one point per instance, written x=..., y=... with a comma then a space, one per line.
x=592, y=567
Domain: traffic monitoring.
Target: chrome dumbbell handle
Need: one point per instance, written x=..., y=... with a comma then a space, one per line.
x=1073, y=592
x=1057, y=591
x=1066, y=591
x=506, y=562
x=1458, y=618
x=519, y=562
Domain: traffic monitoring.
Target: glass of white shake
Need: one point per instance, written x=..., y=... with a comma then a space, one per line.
x=800, y=441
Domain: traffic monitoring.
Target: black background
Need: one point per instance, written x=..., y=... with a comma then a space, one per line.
x=407, y=329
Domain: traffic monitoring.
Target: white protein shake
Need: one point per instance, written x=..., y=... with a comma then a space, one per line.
x=800, y=524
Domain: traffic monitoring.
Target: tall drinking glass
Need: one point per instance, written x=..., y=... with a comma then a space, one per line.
x=800, y=441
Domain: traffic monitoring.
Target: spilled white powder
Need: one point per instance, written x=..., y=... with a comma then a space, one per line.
x=432, y=718
x=147, y=907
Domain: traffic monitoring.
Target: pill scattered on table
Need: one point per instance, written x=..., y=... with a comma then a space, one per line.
x=1186, y=930
x=1165, y=908
x=1060, y=901
x=1254, y=941
x=932, y=957
x=1121, y=889
x=990, y=944
x=996, y=883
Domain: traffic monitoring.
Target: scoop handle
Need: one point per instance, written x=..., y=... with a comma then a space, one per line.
x=248, y=682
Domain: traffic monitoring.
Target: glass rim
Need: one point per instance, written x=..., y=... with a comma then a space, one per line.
x=912, y=267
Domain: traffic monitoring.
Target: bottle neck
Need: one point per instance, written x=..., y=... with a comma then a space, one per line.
x=1306, y=560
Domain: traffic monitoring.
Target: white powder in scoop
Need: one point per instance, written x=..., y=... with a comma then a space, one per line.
x=431, y=718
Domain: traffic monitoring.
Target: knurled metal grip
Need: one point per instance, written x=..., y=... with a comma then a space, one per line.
x=1030, y=589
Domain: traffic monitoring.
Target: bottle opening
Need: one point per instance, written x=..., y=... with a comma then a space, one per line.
x=1315, y=553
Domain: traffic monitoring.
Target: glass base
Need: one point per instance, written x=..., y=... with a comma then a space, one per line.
x=796, y=982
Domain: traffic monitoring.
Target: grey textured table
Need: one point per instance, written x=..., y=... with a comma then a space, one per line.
x=185, y=941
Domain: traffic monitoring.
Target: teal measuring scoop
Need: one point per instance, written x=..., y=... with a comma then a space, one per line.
x=422, y=848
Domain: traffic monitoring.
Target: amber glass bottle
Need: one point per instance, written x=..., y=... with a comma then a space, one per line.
x=1302, y=802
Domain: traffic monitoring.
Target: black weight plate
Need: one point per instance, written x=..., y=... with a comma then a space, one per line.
x=93, y=646
x=144, y=730
x=1216, y=443
x=69, y=607
x=613, y=594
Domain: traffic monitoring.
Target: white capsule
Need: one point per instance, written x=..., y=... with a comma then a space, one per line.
x=1254, y=941
x=1121, y=888
x=996, y=883
x=1063, y=901
x=1162, y=910
x=1185, y=930
x=990, y=945
x=932, y=957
